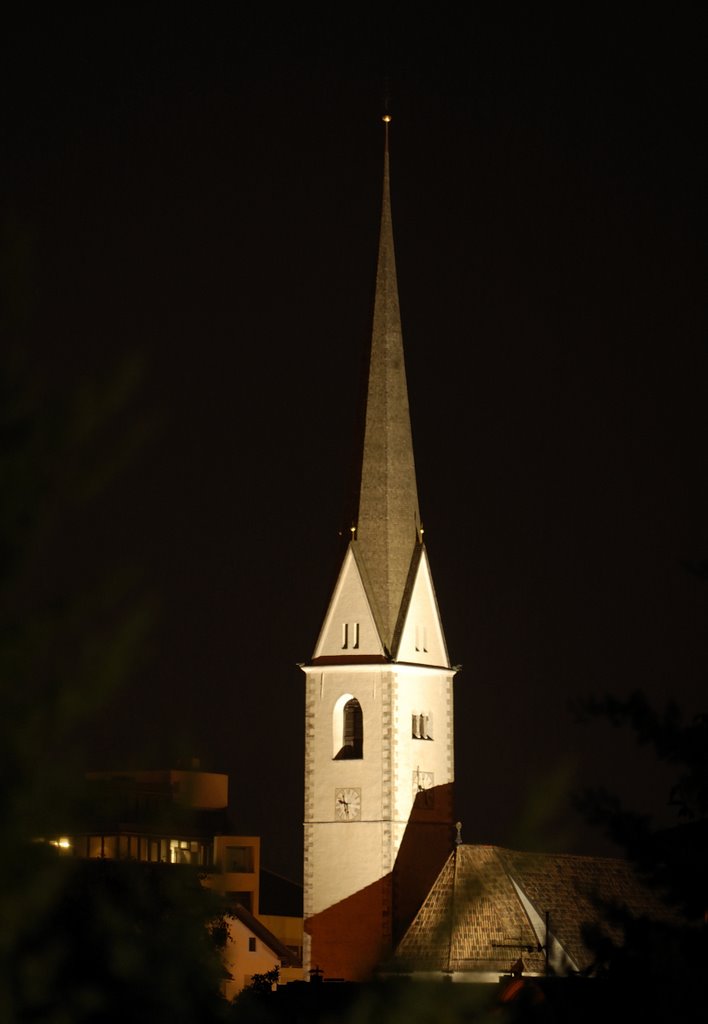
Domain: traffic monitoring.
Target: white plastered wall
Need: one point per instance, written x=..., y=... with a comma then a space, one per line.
x=344, y=857
x=349, y=606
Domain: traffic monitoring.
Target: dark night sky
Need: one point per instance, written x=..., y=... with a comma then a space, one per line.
x=203, y=190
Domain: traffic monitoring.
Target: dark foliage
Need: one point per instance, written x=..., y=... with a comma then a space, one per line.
x=119, y=941
x=80, y=941
x=670, y=858
x=658, y=968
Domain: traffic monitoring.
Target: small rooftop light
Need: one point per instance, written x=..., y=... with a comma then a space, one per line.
x=386, y=118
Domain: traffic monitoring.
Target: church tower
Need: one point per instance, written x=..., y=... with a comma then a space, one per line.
x=379, y=711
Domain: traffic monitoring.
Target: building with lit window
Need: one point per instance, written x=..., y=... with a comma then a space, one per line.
x=181, y=817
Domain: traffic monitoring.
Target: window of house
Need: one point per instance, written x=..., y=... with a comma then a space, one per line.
x=182, y=851
x=108, y=846
x=244, y=899
x=352, y=732
x=82, y=846
x=239, y=858
x=251, y=945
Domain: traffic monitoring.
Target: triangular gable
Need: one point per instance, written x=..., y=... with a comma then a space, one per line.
x=470, y=921
x=576, y=890
x=253, y=927
x=422, y=639
x=478, y=918
x=349, y=630
x=559, y=959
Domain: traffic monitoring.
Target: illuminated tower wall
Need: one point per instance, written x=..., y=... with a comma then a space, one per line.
x=379, y=712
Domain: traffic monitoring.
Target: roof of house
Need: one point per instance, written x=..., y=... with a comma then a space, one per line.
x=490, y=906
x=285, y=955
x=279, y=896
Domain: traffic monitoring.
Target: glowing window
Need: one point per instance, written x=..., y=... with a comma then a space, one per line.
x=183, y=851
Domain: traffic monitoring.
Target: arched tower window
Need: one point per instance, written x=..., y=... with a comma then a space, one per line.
x=352, y=732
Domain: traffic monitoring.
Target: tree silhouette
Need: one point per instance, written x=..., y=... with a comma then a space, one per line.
x=79, y=940
x=659, y=967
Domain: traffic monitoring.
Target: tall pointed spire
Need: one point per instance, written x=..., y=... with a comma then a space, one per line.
x=379, y=685
x=388, y=529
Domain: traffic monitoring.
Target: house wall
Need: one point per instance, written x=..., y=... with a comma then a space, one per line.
x=290, y=932
x=242, y=961
x=220, y=879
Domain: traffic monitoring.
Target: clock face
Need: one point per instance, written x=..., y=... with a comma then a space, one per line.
x=423, y=782
x=347, y=804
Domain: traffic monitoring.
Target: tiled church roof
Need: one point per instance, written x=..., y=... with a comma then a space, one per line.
x=488, y=908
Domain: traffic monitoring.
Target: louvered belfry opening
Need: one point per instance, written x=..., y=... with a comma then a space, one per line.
x=352, y=732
